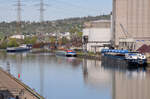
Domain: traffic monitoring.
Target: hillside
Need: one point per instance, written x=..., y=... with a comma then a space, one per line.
x=63, y=25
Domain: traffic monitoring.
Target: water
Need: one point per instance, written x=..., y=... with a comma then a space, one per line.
x=72, y=78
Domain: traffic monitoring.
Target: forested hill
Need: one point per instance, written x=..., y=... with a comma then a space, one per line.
x=63, y=25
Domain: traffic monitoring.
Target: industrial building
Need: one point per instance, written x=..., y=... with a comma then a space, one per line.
x=131, y=23
x=98, y=35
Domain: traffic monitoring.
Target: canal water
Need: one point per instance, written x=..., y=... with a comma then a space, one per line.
x=57, y=77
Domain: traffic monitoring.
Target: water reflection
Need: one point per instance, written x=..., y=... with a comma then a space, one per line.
x=35, y=69
x=75, y=63
x=131, y=85
x=95, y=75
x=128, y=83
x=72, y=78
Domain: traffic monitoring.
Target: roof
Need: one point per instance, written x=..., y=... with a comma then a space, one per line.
x=99, y=21
x=98, y=24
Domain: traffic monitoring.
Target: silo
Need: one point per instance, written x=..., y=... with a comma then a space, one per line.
x=131, y=20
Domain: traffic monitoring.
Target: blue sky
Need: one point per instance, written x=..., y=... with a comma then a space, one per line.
x=55, y=9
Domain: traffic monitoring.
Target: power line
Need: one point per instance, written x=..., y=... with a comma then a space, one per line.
x=68, y=12
x=75, y=9
x=65, y=11
x=77, y=6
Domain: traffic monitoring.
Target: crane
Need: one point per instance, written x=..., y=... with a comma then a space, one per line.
x=124, y=31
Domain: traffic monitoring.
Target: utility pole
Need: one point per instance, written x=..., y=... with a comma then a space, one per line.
x=42, y=10
x=18, y=16
x=41, y=15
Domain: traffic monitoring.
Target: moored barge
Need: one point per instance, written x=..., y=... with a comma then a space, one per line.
x=132, y=58
x=68, y=53
x=22, y=48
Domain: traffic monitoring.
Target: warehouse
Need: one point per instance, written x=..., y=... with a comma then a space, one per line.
x=98, y=34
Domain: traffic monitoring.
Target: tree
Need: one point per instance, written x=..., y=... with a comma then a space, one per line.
x=27, y=40
x=12, y=42
x=65, y=40
x=52, y=39
x=76, y=36
x=3, y=44
x=79, y=34
x=30, y=40
x=33, y=40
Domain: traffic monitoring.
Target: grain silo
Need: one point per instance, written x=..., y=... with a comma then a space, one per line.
x=131, y=23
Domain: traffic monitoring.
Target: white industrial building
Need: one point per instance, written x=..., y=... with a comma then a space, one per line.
x=98, y=34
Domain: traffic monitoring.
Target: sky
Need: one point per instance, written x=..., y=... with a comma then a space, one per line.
x=54, y=9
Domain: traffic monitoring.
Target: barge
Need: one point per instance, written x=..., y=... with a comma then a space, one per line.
x=131, y=58
x=68, y=53
x=22, y=48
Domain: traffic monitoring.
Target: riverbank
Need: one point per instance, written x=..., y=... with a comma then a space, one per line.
x=79, y=54
x=89, y=55
x=15, y=87
x=41, y=50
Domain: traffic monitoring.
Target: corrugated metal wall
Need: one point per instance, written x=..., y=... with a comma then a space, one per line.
x=134, y=15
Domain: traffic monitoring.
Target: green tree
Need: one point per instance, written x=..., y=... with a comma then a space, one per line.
x=52, y=39
x=79, y=34
x=30, y=40
x=65, y=40
x=12, y=42
x=33, y=40
x=27, y=40
x=3, y=44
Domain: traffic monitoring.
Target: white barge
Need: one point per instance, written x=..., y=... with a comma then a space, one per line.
x=21, y=48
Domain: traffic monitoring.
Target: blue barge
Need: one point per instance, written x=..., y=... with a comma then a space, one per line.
x=132, y=58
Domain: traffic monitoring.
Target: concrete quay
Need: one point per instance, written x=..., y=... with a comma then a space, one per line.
x=12, y=88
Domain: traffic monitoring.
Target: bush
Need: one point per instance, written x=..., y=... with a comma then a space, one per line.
x=3, y=45
x=12, y=43
x=30, y=40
